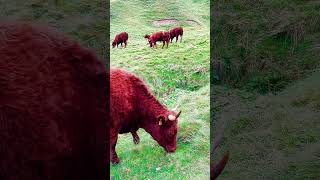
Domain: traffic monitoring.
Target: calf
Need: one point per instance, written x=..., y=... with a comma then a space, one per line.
x=163, y=36
x=175, y=33
x=53, y=108
x=133, y=106
x=119, y=39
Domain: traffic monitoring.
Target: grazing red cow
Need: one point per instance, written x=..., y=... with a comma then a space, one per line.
x=175, y=33
x=163, y=36
x=119, y=39
x=215, y=171
x=133, y=107
x=53, y=108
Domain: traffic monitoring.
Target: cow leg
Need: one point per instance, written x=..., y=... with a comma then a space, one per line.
x=171, y=39
x=168, y=43
x=121, y=45
x=155, y=44
x=125, y=44
x=135, y=137
x=181, y=38
x=163, y=44
x=113, y=154
x=177, y=38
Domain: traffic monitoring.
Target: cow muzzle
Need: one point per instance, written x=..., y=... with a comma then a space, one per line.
x=170, y=149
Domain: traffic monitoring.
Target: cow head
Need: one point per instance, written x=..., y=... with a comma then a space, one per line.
x=114, y=44
x=167, y=130
x=146, y=36
x=150, y=42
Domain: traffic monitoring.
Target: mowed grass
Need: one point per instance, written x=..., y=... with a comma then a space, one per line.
x=176, y=75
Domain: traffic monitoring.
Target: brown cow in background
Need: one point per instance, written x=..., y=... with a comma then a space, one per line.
x=120, y=38
x=163, y=36
x=132, y=107
x=175, y=33
x=53, y=113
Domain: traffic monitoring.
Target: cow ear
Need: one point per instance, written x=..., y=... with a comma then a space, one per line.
x=161, y=119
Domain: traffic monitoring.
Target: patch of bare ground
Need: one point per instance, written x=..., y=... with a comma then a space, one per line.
x=173, y=21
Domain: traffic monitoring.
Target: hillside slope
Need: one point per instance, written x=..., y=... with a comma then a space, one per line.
x=179, y=74
x=264, y=45
x=271, y=136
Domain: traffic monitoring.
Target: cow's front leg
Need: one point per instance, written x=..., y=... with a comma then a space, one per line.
x=113, y=154
x=163, y=44
x=135, y=137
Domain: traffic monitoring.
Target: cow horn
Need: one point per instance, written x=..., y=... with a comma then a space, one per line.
x=171, y=117
x=178, y=114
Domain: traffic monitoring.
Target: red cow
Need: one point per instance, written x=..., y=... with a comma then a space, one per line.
x=119, y=39
x=53, y=108
x=132, y=107
x=163, y=36
x=175, y=33
x=215, y=171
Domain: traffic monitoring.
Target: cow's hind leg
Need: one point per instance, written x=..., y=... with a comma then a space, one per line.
x=135, y=137
x=163, y=44
x=177, y=37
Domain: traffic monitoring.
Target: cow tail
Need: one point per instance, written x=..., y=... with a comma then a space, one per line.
x=220, y=166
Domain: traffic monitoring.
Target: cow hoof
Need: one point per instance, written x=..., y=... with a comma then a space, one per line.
x=136, y=140
x=115, y=161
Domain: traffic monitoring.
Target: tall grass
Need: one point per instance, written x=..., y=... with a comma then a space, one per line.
x=264, y=45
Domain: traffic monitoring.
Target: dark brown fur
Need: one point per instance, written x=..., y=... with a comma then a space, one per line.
x=163, y=36
x=52, y=106
x=175, y=33
x=119, y=39
x=133, y=107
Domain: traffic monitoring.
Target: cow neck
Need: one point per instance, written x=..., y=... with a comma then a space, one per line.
x=149, y=106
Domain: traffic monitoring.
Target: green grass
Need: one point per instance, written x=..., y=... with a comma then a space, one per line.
x=84, y=20
x=266, y=88
x=265, y=45
x=179, y=74
x=271, y=136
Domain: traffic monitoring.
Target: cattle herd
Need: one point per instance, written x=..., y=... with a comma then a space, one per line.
x=162, y=36
x=54, y=112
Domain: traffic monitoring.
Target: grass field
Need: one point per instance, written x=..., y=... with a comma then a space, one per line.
x=267, y=88
x=179, y=74
x=271, y=136
x=83, y=20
